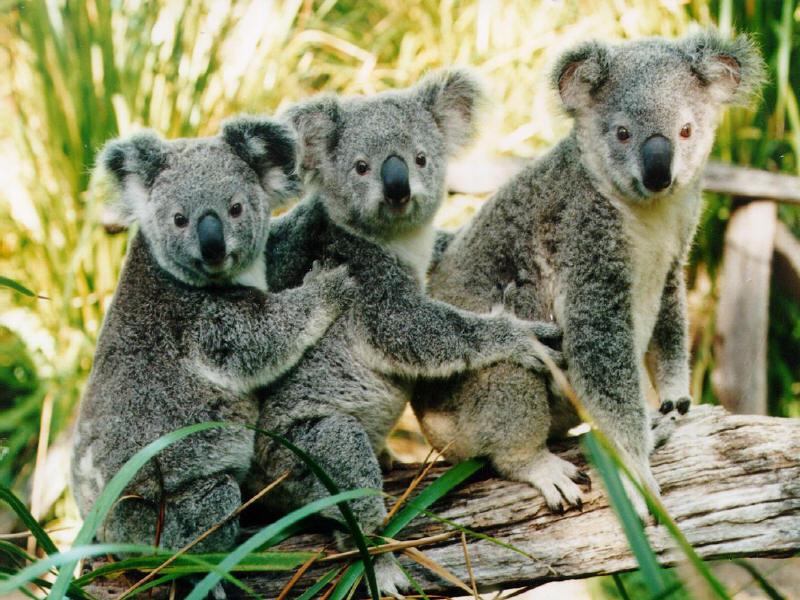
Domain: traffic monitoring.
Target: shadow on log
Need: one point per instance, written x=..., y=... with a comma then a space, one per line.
x=731, y=482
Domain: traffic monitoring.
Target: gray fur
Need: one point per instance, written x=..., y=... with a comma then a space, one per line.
x=181, y=344
x=586, y=244
x=349, y=390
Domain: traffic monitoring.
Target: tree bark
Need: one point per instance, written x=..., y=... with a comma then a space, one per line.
x=732, y=483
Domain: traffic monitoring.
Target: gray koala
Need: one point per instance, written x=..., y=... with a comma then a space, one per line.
x=376, y=166
x=192, y=330
x=593, y=235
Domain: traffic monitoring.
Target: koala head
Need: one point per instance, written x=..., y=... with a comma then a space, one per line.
x=203, y=205
x=646, y=111
x=380, y=161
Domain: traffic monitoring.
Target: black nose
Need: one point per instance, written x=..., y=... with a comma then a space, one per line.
x=394, y=174
x=657, y=163
x=211, y=238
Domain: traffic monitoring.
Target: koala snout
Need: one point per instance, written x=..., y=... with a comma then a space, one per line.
x=657, y=163
x=396, y=190
x=211, y=238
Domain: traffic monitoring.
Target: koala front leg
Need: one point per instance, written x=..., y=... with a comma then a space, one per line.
x=669, y=354
x=427, y=338
x=254, y=337
x=604, y=369
x=341, y=446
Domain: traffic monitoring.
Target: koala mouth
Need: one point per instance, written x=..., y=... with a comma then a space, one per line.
x=216, y=271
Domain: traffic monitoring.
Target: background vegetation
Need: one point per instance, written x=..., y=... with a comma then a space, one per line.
x=74, y=73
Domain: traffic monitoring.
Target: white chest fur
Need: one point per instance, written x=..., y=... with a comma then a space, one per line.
x=415, y=249
x=254, y=276
x=655, y=233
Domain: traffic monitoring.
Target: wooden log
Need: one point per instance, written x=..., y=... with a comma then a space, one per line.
x=481, y=176
x=740, y=376
x=732, y=483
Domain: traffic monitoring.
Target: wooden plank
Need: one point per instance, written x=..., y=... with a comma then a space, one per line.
x=479, y=176
x=732, y=482
x=740, y=376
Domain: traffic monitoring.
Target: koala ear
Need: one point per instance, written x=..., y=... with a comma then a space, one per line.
x=316, y=122
x=732, y=69
x=580, y=72
x=454, y=97
x=268, y=147
x=133, y=164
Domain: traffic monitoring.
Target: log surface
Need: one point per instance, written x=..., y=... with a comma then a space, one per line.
x=732, y=482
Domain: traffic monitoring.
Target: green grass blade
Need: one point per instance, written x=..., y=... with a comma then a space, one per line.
x=44, y=541
x=631, y=525
x=239, y=553
x=759, y=578
x=349, y=517
x=620, y=586
x=16, y=286
x=112, y=491
x=436, y=490
x=63, y=559
x=312, y=592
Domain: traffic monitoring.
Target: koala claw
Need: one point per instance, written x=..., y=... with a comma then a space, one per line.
x=683, y=405
x=664, y=421
x=666, y=407
x=556, y=479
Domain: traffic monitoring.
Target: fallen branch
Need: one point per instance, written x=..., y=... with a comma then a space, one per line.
x=732, y=482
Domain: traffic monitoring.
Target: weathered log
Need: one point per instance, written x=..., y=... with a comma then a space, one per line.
x=740, y=377
x=485, y=176
x=732, y=483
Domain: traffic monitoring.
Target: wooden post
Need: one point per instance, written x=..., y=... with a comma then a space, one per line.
x=740, y=377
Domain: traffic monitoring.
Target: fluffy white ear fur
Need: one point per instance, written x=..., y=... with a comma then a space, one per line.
x=454, y=97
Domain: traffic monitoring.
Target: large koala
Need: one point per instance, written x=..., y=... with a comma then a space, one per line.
x=594, y=236
x=376, y=166
x=192, y=331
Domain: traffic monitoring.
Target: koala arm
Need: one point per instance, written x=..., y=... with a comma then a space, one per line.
x=296, y=240
x=416, y=336
x=669, y=345
x=246, y=339
x=440, y=246
x=599, y=346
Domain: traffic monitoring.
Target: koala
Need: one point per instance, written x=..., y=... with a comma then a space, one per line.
x=594, y=236
x=192, y=330
x=375, y=167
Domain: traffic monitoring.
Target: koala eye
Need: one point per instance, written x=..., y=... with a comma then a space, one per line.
x=180, y=220
x=623, y=135
x=361, y=167
x=235, y=210
x=686, y=130
x=421, y=160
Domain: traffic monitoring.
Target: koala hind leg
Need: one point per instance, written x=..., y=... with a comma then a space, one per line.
x=187, y=514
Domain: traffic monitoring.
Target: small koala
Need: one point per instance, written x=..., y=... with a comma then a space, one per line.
x=192, y=329
x=376, y=168
x=594, y=236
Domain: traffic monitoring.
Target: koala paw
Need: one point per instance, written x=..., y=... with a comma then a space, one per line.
x=390, y=578
x=664, y=421
x=337, y=285
x=557, y=479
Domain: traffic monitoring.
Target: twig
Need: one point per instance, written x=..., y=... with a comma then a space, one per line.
x=430, y=564
x=390, y=547
x=469, y=566
x=203, y=536
x=427, y=466
x=24, y=534
x=298, y=574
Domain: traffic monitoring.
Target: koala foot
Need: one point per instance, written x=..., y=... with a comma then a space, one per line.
x=387, y=459
x=637, y=500
x=390, y=578
x=557, y=480
x=664, y=421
